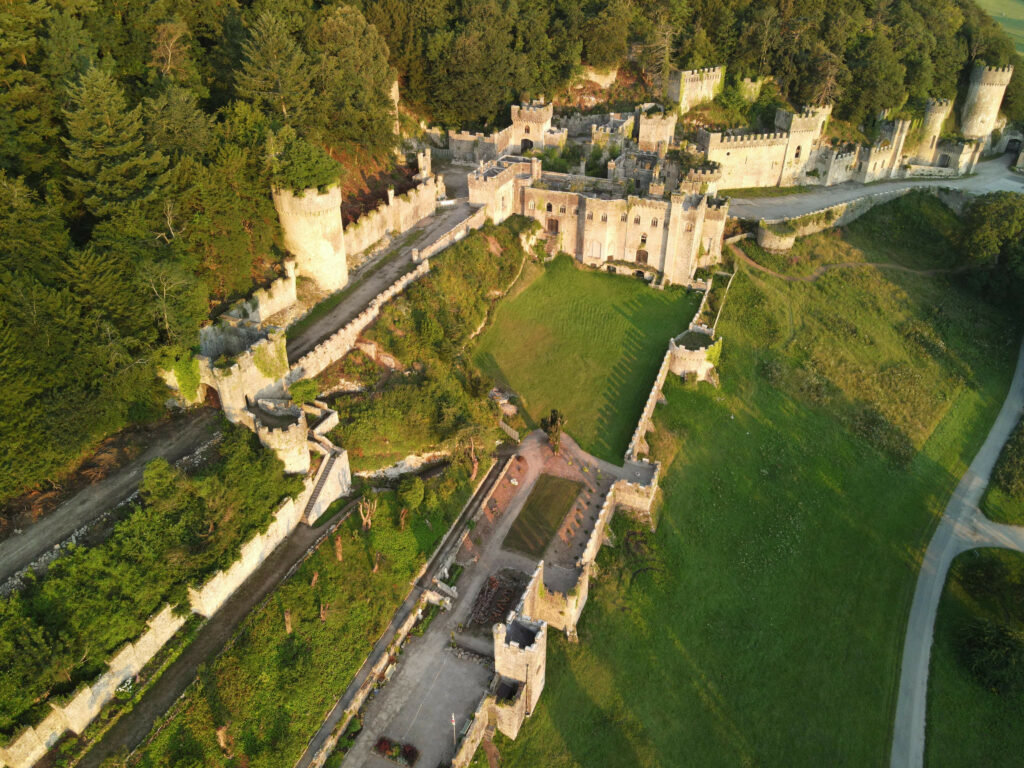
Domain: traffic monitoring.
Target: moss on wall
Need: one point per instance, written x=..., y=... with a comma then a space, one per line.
x=186, y=371
x=271, y=360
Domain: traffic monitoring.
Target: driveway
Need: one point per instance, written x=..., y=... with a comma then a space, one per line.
x=21, y=550
x=962, y=527
x=991, y=176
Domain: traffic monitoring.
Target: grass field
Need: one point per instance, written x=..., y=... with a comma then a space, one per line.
x=762, y=625
x=967, y=723
x=545, y=508
x=588, y=344
x=1010, y=15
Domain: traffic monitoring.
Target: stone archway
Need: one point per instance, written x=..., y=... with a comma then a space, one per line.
x=527, y=146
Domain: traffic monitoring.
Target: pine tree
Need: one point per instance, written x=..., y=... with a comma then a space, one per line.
x=107, y=163
x=275, y=75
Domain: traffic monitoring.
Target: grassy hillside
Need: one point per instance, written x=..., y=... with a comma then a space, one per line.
x=1010, y=15
x=762, y=624
x=588, y=344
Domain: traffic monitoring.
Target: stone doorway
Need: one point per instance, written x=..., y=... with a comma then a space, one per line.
x=641, y=256
x=552, y=226
x=527, y=146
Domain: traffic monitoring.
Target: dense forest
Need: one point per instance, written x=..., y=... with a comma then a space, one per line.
x=139, y=140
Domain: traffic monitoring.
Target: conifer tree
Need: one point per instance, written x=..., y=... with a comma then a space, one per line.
x=106, y=161
x=275, y=74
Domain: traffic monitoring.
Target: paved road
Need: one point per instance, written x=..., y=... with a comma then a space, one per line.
x=450, y=540
x=399, y=261
x=133, y=727
x=20, y=550
x=962, y=527
x=992, y=176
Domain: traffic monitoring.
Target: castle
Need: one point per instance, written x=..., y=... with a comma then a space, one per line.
x=599, y=222
x=797, y=152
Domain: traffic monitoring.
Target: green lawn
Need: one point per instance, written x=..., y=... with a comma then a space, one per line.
x=762, y=624
x=1000, y=506
x=968, y=724
x=588, y=344
x=547, y=505
x=1010, y=15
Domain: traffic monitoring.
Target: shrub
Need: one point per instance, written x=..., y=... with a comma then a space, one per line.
x=1009, y=470
x=993, y=653
x=304, y=390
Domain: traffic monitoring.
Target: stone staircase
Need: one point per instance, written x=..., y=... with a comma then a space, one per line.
x=325, y=471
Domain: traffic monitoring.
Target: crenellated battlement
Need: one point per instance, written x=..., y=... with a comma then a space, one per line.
x=750, y=139
x=997, y=76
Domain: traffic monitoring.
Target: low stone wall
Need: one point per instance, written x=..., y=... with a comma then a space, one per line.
x=264, y=302
x=456, y=233
x=399, y=214
x=471, y=741
x=776, y=240
x=343, y=341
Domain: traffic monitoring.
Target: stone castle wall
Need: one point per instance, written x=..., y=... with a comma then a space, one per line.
x=984, y=97
x=637, y=443
x=288, y=443
x=694, y=86
x=343, y=341
x=399, y=214
x=33, y=742
x=312, y=229
x=254, y=373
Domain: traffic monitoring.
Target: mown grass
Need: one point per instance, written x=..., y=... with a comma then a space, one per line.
x=586, y=343
x=968, y=724
x=270, y=689
x=762, y=624
x=749, y=193
x=547, y=505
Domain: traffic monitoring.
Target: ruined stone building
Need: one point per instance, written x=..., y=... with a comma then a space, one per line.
x=530, y=129
x=600, y=223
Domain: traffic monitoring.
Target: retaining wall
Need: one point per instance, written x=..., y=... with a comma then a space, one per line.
x=474, y=221
x=841, y=214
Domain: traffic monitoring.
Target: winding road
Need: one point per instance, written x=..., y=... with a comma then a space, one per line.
x=962, y=527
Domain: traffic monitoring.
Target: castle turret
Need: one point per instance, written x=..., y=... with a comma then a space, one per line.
x=311, y=223
x=984, y=97
x=936, y=112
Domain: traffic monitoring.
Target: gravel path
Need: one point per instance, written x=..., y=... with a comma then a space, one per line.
x=962, y=527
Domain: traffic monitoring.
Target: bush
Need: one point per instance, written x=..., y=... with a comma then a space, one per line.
x=993, y=653
x=304, y=390
x=1009, y=469
x=60, y=629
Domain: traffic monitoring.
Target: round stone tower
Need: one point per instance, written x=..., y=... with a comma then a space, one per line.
x=311, y=223
x=984, y=96
x=936, y=112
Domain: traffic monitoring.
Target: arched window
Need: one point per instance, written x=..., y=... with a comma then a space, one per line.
x=636, y=220
x=590, y=215
x=532, y=206
x=798, y=150
x=654, y=222
x=622, y=217
x=604, y=217
x=526, y=129
x=643, y=239
x=549, y=208
x=561, y=209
